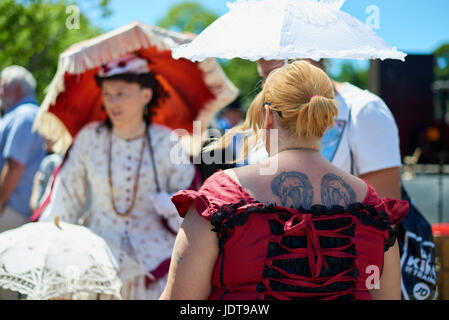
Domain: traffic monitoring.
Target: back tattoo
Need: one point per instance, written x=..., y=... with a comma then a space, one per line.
x=335, y=191
x=295, y=190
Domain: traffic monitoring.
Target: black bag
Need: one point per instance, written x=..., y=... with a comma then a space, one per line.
x=418, y=256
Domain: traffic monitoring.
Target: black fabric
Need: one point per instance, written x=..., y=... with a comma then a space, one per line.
x=300, y=266
x=218, y=155
x=333, y=288
x=418, y=255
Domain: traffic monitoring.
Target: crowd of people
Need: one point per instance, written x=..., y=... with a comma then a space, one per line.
x=310, y=229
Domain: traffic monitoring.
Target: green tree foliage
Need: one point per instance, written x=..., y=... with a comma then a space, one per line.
x=34, y=33
x=188, y=17
x=442, y=62
x=193, y=17
x=244, y=75
x=352, y=74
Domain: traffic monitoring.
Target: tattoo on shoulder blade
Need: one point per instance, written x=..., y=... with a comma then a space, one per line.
x=335, y=191
x=294, y=189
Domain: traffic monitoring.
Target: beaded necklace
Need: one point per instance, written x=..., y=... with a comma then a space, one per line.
x=136, y=184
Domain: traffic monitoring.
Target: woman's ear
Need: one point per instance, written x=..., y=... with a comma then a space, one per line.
x=269, y=117
x=147, y=95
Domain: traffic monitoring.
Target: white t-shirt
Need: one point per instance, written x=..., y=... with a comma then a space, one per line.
x=369, y=131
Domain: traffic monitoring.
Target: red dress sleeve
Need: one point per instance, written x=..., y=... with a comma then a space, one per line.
x=218, y=190
x=395, y=209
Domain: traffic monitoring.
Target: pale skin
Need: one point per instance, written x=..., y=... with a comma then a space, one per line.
x=124, y=103
x=11, y=173
x=194, y=256
x=10, y=94
x=196, y=250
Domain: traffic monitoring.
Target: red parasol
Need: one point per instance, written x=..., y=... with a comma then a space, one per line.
x=196, y=90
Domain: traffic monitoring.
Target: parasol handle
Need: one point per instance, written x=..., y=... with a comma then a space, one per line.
x=57, y=222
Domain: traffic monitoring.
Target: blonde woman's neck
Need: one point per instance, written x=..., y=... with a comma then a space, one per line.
x=291, y=144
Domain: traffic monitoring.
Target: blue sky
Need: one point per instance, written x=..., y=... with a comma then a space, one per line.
x=413, y=26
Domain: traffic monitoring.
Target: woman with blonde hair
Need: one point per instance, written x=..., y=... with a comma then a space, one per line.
x=307, y=230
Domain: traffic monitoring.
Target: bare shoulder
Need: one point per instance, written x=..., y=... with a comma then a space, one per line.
x=243, y=175
x=231, y=173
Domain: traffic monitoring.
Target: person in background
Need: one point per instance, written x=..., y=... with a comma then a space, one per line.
x=364, y=139
x=309, y=230
x=42, y=178
x=231, y=115
x=21, y=149
x=125, y=163
x=228, y=118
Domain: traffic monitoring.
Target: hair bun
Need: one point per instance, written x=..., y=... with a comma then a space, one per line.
x=316, y=116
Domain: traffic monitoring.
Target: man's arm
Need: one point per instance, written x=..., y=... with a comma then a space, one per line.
x=10, y=177
x=374, y=140
x=386, y=182
x=390, y=280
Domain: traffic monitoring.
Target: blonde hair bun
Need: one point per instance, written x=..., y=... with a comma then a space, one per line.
x=316, y=116
x=304, y=95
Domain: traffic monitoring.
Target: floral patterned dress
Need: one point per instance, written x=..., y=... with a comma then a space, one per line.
x=141, y=241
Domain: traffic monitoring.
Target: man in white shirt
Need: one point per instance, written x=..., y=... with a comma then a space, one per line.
x=364, y=140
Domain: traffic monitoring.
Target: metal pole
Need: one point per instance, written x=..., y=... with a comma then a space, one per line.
x=442, y=88
x=440, y=188
x=442, y=155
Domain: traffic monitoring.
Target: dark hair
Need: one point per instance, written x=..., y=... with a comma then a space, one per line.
x=234, y=105
x=145, y=80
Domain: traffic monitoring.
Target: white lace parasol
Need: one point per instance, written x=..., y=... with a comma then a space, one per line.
x=44, y=261
x=287, y=29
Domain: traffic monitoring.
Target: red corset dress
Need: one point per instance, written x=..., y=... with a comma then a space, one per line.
x=273, y=252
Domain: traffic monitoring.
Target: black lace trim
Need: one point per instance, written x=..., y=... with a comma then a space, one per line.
x=226, y=218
